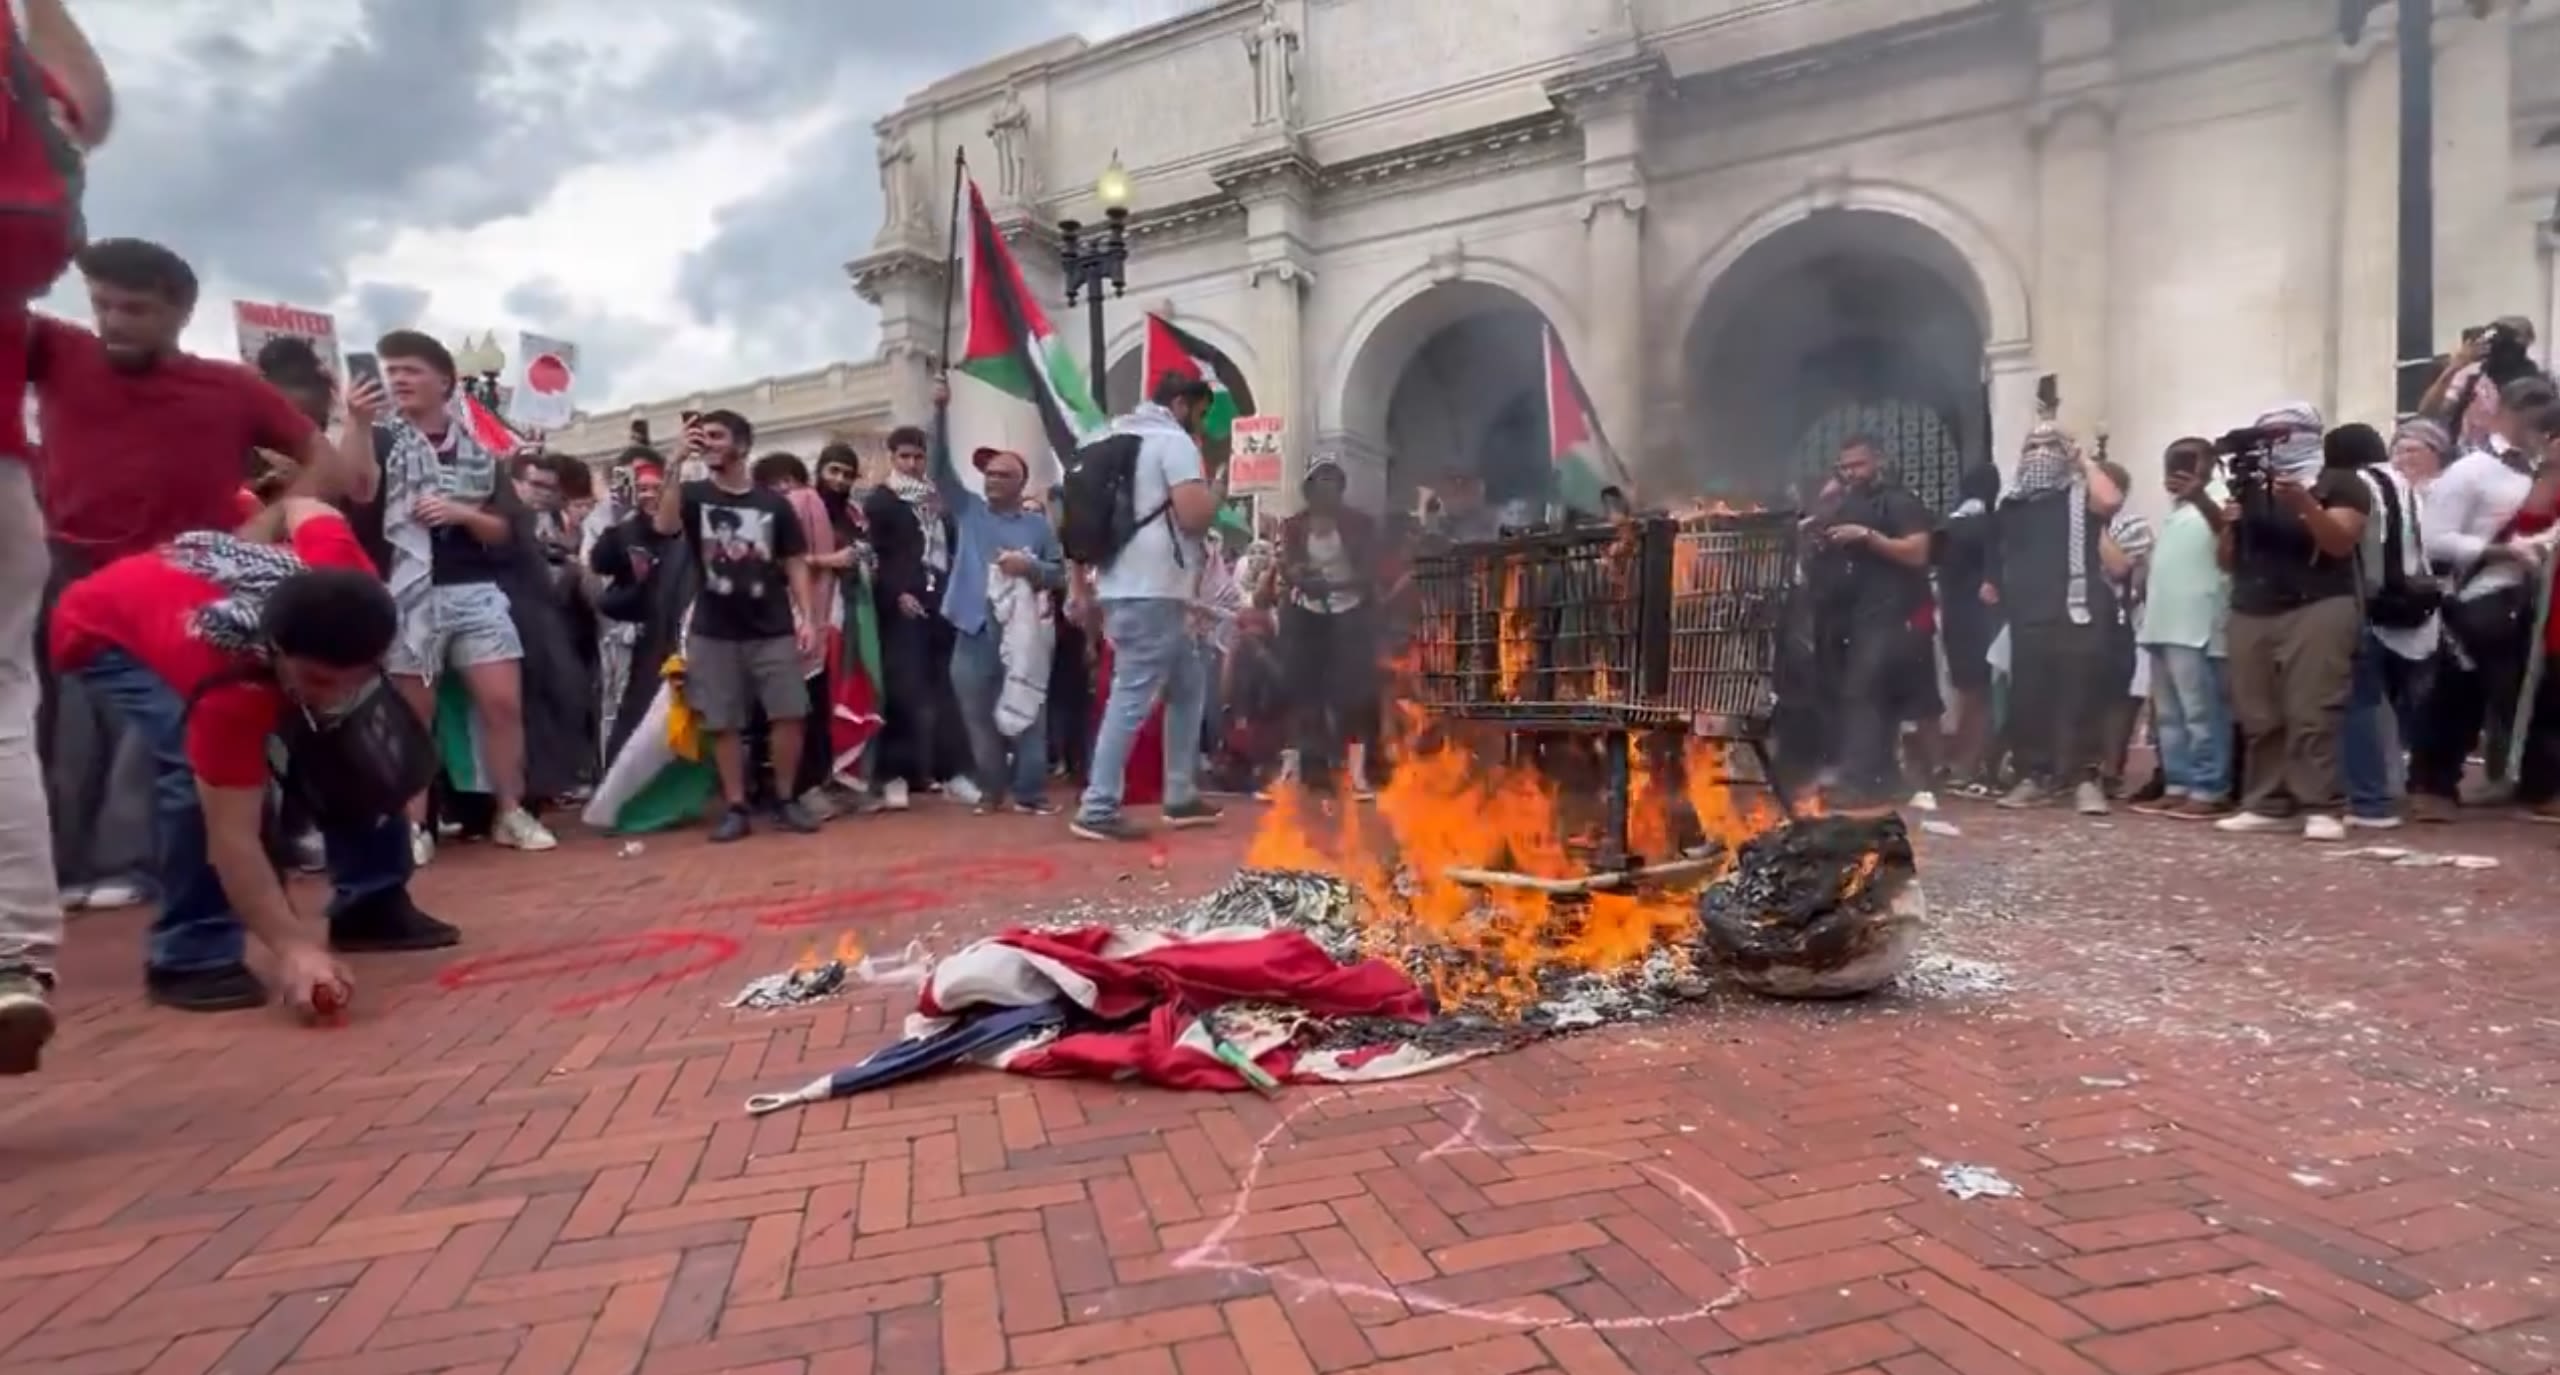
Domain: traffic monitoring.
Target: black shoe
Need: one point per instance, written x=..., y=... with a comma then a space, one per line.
x=794, y=817
x=1109, y=828
x=226, y=988
x=733, y=827
x=1186, y=816
x=388, y=924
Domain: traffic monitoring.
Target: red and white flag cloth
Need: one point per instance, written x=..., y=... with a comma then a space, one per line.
x=1268, y=986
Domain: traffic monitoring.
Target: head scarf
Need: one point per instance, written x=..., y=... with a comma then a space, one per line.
x=2298, y=456
x=2048, y=463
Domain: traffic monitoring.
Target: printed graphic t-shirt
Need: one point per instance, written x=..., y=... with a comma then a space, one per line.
x=146, y=607
x=742, y=542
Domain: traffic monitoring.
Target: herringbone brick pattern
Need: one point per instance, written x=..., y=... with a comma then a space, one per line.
x=2269, y=1113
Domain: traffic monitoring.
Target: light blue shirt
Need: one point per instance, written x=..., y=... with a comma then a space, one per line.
x=984, y=534
x=2187, y=600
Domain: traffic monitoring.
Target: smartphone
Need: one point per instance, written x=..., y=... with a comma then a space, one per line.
x=363, y=367
x=686, y=420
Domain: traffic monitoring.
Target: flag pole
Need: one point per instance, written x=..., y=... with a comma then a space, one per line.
x=951, y=256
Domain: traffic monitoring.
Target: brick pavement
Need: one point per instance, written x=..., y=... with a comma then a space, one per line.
x=2270, y=1113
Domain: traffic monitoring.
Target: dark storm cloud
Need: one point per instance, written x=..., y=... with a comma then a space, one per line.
x=776, y=264
x=385, y=306
x=537, y=300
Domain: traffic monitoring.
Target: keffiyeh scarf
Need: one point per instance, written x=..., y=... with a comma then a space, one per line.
x=409, y=471
x=921, y=498
x=247, y=575
x=2050, y=462
x=2298, y=457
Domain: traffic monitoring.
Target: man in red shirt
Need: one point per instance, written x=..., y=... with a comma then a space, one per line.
x=201, y=646
x=81, y=107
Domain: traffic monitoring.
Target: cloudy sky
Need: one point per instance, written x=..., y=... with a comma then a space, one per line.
x=672, y=184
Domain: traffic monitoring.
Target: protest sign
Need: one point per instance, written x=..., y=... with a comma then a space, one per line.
x=257, y=322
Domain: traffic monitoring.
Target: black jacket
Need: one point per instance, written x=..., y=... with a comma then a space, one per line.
x=897, y=537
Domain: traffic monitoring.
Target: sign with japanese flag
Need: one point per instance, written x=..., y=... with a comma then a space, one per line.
x=546, y=391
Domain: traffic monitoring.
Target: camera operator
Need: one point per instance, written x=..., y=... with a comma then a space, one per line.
x=2295, y=620
x=2467, y=396
x=2470, y=519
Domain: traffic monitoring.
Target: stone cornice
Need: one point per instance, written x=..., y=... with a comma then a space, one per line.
x=874, y=273
x=1847, y=54
x=1287, y=271
x=1490, y=148
x=1629, y=78
x=1279, y=168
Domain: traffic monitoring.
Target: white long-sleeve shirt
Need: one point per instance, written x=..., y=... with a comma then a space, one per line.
x=2466, y=508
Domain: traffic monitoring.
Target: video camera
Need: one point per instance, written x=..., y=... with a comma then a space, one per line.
x=2247, y=451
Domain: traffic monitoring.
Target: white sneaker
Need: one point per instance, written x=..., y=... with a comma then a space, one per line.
x=893, y=795
x=1287, y=776
x=422, y=846
x=1924, y=801
x=962, y=791
x=516, y=829
x=2252, y=823
x=104, y=897
x=2089, y=800
x=2325, y=829
x=2374, y=823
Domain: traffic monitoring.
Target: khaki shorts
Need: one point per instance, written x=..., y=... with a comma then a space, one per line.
x=725, y=680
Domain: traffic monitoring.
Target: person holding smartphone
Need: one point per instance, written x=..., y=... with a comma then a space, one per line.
x=754, y=614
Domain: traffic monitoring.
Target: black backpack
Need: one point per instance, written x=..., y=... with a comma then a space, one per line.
x=1100, y=497
x=362, y=764
x=2402, y=602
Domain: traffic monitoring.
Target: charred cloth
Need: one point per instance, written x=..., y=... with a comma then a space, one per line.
x=1824, y=907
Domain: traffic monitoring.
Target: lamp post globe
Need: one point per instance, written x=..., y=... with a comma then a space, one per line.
x=1092, y=257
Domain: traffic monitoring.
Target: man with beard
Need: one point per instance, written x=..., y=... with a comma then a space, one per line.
x=144, y=442
x=1869, y=575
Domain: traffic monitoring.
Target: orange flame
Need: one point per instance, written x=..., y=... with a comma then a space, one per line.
x=1485, y=803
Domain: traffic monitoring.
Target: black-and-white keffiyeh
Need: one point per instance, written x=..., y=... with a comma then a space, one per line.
x=926, y=502
x=2050, y=462
x=411, y=470
x=248, y=574
x=2297, y=457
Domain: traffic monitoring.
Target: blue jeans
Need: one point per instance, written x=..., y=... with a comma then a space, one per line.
x=1153, y=656
x=2191, y=718
x=977, y=682
x=2383, y=682
x=196, y=928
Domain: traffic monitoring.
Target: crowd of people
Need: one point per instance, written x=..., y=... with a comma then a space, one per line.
x=2329, y=628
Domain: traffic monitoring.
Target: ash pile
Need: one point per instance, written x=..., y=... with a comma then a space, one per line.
x=1825, y=907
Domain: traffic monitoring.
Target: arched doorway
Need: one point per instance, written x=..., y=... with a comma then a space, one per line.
x=1449, y=384
x=1845, y=324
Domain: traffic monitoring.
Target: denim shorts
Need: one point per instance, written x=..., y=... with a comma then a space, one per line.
x=473, y=626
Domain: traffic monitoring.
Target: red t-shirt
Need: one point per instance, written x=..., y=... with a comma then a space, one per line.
x=14, y=314
x=133, y=460
x=146, y=607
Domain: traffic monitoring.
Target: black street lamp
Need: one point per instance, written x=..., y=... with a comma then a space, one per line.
x=2415, y=336
x=481, y=362
x=1093, y=261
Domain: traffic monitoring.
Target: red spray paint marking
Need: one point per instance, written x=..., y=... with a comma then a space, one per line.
x=695, y=952
x=912, y=889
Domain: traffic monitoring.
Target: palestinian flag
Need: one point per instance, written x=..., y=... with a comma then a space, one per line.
x=1170, y=351
x=1011, y=346
x=1584, y=462
x=663, y=778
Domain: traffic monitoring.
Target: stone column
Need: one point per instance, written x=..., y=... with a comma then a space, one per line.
x=2072, y=125
x=1609, y=96
x=906, y=283
x=2368, y=285
x=1274, y=183
x=2481, y=241
x=2013, y=404
x=2547, y=240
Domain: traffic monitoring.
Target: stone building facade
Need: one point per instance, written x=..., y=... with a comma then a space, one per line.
x=799, y=413
x=1757, y=225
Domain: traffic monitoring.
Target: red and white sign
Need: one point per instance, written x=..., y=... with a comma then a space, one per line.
x=1254, y=465
x=258, y=322
x=546, y=391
